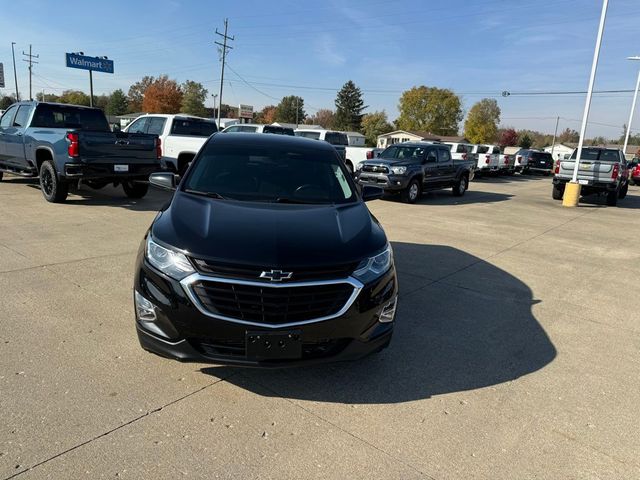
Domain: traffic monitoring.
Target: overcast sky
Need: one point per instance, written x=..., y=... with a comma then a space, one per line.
x=310, y=48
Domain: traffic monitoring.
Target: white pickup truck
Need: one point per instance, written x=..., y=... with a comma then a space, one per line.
x=488, y=157
x=181, y=136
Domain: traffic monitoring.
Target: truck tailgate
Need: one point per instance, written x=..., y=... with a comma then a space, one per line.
x=593, y=170
x=117, y=147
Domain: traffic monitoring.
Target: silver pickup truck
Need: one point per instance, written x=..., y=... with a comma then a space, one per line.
x=600, y=170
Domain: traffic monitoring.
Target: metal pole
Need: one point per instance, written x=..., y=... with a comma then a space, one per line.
x=224, y=57
x=30, y=69
x=633, y=107
x=214, y=103
x=15, y=74
x=91, y=88
x=296, y=112
x=587, y=104
x=555, y=134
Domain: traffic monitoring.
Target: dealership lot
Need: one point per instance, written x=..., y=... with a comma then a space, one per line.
x=515, y=353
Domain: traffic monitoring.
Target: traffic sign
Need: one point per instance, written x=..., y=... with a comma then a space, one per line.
x=95, y=64
x=1, y=75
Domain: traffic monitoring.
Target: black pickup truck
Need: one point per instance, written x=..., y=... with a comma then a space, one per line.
x=66, y=144
x=412, y=168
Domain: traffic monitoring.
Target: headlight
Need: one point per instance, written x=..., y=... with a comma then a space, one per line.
x=170, y=262
x=359, y=167
x=373, y=267
x=398, y=170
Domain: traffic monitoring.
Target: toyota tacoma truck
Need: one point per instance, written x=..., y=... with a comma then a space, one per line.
x=411, y=168
x=600, y=170
x=64, y=145
x=181, y=137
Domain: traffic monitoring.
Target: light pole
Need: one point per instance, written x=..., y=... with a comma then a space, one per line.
x=214, y=95
x=571, y=195
x=633, y=107
x=15, y=75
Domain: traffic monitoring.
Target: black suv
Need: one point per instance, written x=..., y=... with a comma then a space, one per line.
x=265, y=256
x=535, y=161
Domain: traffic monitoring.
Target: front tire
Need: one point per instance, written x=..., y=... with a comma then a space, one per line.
x=53, y=189
x=558, y=192
x=1, y=173
x=623, y=191
x=412, y=192
x=135, y=189
x=612, y=198
x=461, y=186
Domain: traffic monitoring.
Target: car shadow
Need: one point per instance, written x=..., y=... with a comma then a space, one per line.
x=445, y=197
x=501, y=178
x=631, y=201
x=469, y=327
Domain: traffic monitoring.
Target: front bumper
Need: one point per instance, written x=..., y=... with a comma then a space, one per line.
x=389, y=182
x=182, y=331
x=107, y=171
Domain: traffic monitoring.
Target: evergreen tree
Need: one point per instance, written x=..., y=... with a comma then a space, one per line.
x=349, y=108
x=118, y=103
x=286, y=110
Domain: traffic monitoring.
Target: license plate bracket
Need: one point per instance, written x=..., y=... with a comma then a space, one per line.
x=121, y=168
x=273, y=345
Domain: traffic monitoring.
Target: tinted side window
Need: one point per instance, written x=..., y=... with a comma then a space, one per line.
x=444, y=156
x=193, y=128
x=156, y=125
x=496, y=150
x=22, y=117
x=7, y=118
x=139, y=126
x=335, y=138
x=69, y=116
x=432, y=156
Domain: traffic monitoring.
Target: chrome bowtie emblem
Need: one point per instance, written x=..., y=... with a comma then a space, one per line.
x=276, y=275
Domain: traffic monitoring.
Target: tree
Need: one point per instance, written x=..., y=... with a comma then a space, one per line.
x=118, y=103
x=323, y=117
x=525, y=141
x=136, y=93
x=349, y=108
x=76, y=97
x=162, y=96
x=508, y=138
x=569, y=136
x=287, y=108
x=227, y=111
x=599, y=141
x=193, y=96
x=430, y=109
x=481, y=125
x=266, y=115
x=7, y=101
x=101, y=101
x=374, y=124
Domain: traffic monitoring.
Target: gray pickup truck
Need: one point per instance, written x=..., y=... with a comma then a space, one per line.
x=600, y=170
x=411, y=168
x=68, y=144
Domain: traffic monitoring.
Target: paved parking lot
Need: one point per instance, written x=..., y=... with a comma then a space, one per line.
x=515, y=353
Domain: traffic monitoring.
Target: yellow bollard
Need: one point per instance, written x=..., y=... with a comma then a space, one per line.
x=571, y=194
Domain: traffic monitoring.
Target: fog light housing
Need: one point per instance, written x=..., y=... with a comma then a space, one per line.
x=145, y=310
x=388, y=312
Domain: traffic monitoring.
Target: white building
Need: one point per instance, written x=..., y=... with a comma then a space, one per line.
x=399, y=136
x=356, y=139
x=560, y=151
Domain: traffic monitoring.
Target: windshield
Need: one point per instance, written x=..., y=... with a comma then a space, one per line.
x=277, y=130
x=483, y=149
x=270, y=174
x=335, y=138
x=597, y=154
x=403, y=152
x=193, y=127
x=313, y=135
x=62, y=116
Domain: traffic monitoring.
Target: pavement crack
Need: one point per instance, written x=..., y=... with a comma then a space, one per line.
x=66, y=262
x=119, y=427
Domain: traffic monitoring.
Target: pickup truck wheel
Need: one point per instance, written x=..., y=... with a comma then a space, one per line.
x=53, y=189
x=460, y=186
x=1, y=176
x=612, y=198
x=412, y=192
x=558, y=192
x=135, y=189
x=623, y=191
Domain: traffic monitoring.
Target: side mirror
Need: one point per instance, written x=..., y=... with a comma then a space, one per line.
x=164, y=180
x=371, y=193
x=378, y=154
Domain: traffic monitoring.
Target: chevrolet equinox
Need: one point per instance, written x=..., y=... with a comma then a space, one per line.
x=266, y=255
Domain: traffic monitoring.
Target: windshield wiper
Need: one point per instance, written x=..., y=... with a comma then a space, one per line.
x=292, y=200
x=205, y=194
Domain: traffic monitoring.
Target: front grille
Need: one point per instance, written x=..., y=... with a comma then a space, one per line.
x=250, y=272
x=375, y=168
x=269, y=305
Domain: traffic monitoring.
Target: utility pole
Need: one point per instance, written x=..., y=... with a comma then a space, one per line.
x=214, y=95
x=224, y=46
x=297, y=111
x=555, y=134
x=15, y=74
x=30, y=61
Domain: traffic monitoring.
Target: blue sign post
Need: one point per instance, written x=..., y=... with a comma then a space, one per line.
x=93, y=64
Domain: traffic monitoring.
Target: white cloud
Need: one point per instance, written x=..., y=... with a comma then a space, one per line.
x=328, y=52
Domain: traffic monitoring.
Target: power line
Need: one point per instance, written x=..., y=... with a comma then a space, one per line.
x=224, y=46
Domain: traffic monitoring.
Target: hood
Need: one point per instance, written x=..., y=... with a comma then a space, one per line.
x=271, y=235
x=387, y=162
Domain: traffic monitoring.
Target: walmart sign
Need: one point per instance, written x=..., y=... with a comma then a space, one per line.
x=89, y=63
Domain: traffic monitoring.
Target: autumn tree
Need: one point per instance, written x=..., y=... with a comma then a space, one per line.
x=162, y=96
x=508, y=138
x=118, y=103
x=374, y=124
x=193, y=96
x=430, y=109
x=569, y=135
x=323, y=117
x=481, y=125
x=136, y=93
x=266, y=115
x=290, y=110
x=598, y=141
x=525, y=141
x=75, y=97
x=228, y=111
x=349, y=108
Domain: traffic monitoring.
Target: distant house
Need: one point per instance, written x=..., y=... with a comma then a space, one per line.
x=568, y=148
x=289, y=125
x=356, y=139
x=399, y=136
x=560, y=151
